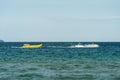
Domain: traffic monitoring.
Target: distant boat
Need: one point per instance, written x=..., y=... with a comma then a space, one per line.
x=32, y=46
x=79, y=45
x=92, y=45
x=86, y=45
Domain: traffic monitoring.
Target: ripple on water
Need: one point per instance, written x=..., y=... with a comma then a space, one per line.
x=75, y=77
x=30, y=75
x=3, y=69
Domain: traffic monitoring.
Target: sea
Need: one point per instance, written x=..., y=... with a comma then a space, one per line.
x=59, y=61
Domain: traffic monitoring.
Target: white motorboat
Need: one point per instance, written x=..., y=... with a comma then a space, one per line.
x=79, y=45
x=91, y=45
x=86, y=45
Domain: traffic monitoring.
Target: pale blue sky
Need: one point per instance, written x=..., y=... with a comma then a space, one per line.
x=60, y=20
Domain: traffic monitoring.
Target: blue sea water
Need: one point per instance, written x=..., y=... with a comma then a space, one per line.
x=58, y=61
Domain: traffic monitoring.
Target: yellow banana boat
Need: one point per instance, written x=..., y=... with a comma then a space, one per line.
x=32, y=46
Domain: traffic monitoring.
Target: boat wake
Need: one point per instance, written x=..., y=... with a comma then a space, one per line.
x=15, y=47
x=57, y=47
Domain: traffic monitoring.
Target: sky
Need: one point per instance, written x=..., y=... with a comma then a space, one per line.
x=60, y=20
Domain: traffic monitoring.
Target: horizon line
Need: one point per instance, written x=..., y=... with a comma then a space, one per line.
x=61, y=41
